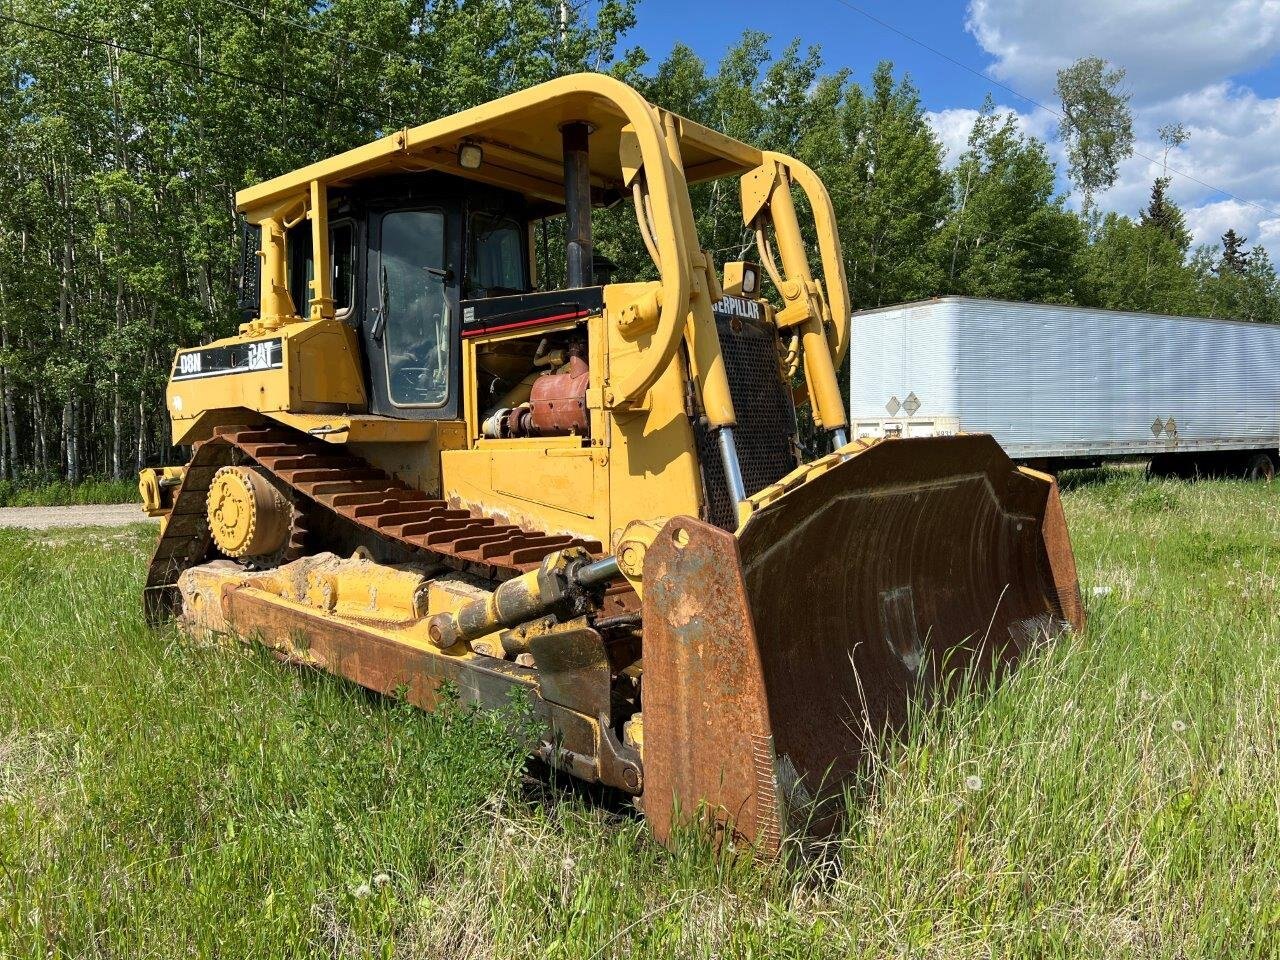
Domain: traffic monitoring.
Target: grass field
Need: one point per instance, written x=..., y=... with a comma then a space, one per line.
x=1119, y=797
x=59, y=493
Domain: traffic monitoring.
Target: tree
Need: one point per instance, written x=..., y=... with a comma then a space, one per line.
x=1096, y=125
x=1234, y=259
x=890, y=191
x=1008, y=235
x=1164, y=215
x=1172, y=135
x=1136, y=266
x=117, y=222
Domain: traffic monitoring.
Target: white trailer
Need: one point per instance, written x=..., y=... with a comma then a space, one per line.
x=1061, y=385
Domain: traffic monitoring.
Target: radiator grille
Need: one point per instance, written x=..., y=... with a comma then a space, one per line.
x=765, y=434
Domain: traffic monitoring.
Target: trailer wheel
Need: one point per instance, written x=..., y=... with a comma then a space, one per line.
x=1171, y=466
x=1260, y=466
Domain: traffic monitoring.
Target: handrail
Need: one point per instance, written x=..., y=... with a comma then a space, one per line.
x=663, y=186
x=824, y=219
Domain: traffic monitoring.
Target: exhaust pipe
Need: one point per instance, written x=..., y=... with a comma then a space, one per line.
x=577, y=203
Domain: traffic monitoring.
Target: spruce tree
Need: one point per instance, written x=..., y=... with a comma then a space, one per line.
x=1164, y=215
x=1234, y=258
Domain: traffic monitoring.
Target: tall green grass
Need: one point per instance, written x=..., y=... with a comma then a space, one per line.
x=1119, y=796
x=59, y=493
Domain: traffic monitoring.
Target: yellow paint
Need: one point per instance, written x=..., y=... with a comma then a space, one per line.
x=653, y=352
x=276, y=306
x=320, y=373
x=356, y=428
x=325, y=367
x=805, y=307
x=156, y=486
x=322, y=275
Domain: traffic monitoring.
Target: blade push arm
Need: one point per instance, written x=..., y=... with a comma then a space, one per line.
x=818, y=312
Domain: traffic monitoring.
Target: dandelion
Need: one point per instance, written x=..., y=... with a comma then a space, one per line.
x=1145, y=696
x=568, y=864
x=1178, y=726
x=973, y=783
x=509, y=832
x=380, y=880
x=362, y=891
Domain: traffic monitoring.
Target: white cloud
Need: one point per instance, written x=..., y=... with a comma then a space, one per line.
x=1209, y=221
x=1232, y=148
x=952, y=127
x=1165, y=46
x=1179, y=57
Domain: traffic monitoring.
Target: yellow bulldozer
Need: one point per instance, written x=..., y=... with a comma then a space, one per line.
x=418, y=466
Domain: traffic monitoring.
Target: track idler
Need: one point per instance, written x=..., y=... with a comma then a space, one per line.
x=776, y=659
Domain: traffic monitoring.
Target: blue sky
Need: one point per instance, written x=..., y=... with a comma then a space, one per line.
x=847, y=39
x=1213, y=65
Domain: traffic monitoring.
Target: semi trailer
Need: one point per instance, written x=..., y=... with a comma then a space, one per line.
x=1061, y=386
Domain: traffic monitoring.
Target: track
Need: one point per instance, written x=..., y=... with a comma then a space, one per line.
x=326, y=477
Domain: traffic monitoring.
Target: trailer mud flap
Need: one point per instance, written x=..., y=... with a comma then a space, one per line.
x=776, y=658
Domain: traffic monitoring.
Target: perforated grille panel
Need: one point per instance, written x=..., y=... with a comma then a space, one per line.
x=765, y=434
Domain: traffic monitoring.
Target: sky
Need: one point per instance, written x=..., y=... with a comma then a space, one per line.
x=1212, y=65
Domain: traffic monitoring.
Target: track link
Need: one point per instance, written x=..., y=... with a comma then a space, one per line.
x=329, y=478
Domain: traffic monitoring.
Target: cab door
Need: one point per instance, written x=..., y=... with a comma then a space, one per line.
x=411, y=329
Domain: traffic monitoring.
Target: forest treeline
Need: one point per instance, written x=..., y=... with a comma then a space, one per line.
x=130, y=126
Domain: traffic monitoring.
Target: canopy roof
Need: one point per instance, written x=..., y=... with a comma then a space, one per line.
x=521, y=139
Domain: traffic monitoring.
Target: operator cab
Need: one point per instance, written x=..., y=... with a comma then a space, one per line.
x=415, y=258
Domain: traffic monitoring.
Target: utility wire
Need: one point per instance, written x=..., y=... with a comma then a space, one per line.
x=354, y=111
x=1036, y=103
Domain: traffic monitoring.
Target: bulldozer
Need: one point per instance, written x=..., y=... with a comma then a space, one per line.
x=422, y=467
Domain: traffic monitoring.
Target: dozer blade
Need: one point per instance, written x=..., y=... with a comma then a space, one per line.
x=774, y=660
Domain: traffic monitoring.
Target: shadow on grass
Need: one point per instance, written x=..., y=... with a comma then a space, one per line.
x=1085, y=477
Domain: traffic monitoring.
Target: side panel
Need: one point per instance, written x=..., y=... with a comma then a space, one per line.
x=653, y=464
x=1067, y=381
x=553, y=484
x=636, y=464
x=301, y=368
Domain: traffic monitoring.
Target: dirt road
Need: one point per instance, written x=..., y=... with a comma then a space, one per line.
x=98, y=515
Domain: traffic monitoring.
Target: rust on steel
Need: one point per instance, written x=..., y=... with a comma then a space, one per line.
x=558, y=401
x=765, y=690
x=577, y=742
x=708, y=750
x=340, y=482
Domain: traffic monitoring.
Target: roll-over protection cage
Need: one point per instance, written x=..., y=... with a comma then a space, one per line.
x=533, y=142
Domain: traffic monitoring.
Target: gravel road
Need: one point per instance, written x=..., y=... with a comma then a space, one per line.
x=98, y=515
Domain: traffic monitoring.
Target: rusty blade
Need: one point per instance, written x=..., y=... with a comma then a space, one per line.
x=708, y=747
x=873, y=583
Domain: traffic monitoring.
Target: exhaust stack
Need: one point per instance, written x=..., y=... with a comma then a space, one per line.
x=577, y=204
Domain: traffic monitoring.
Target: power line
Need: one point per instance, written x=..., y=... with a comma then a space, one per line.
x=1036, y=103
x=357, y=112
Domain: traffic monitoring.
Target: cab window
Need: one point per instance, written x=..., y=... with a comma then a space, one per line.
x=301, y=266
x=415, y=307
x=342, y=250
x=497, y=263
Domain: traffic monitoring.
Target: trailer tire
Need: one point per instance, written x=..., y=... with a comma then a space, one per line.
x=1172, y=466
x=1261, y=467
